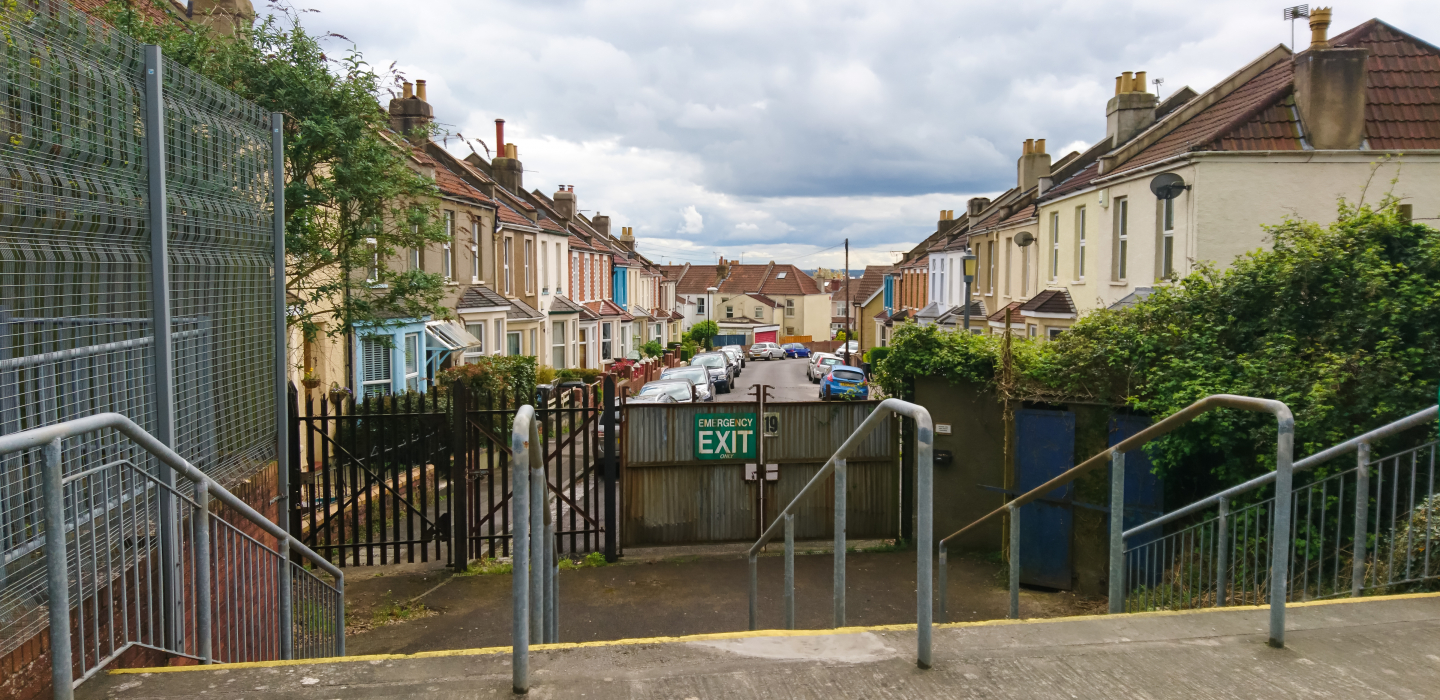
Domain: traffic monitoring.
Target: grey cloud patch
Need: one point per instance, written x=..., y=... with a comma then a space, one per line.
x=807, y=121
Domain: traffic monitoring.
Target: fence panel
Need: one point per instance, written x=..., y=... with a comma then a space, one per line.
x=76, y=312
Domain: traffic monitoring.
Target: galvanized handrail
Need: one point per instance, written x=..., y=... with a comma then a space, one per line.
x=1411, y=421
x=57, y=575
x=924, y=526
x=1115, y=455
x=535, y=586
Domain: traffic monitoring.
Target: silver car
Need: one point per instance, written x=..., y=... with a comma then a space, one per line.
x=766, y=351
x=737, y=358
x=822, y=367
x=739, y=351
x=698, y=377
x=666, y=391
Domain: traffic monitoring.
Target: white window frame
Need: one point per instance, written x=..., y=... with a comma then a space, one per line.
x=509, y=246
x=375, y=385
x=513, y=349
x=606, y=338
x=1080, y=243
x=529, y=268
x=759, y=313
x=413, y=359
x=473, y=354
x=1167, y=238
x=544, y=267
x=790, y=308
x=475, y=252
x=1121, y=268
x=990, y=265
x=447, y=249
x=1054, y=246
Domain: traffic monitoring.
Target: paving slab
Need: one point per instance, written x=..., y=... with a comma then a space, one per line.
x=1370, y=648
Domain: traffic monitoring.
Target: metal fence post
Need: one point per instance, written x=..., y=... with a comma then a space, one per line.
x=520, y=554
x=538, y=508
x=1280, y=550
x=612, y=468
x=287, y=604
x=282, y=332
x=840, y=504
x=200, y=521
x=1117, y=532
x=789, y=571
x=754, y=592
x=459, y=478
x=340, y=615
x=57, y=575
x=1222, y=555
x=1014, y=563
x=924, y=538
x=1362, y=513
x=163, y=368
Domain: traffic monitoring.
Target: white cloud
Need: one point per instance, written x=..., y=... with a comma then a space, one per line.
x=793, y=125
x=694, y=223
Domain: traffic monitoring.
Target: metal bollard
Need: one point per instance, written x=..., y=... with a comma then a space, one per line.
x=1014, y=563
x=789, y=572
x=1362, y=513
x=1117, y=532
x=520, y=556
x=287, y=610
x=1280, y=531
x=840, y=501
x=551, y=572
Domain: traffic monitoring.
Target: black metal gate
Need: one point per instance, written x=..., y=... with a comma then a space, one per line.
x=580, y=479
x=372, y=479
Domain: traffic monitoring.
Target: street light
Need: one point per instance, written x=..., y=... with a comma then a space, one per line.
x=967, y=263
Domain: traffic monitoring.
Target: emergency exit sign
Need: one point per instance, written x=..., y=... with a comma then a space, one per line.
x=725, y=436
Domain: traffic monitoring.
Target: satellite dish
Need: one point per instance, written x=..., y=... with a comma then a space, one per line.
x=1168, y=186
x=1024, y=238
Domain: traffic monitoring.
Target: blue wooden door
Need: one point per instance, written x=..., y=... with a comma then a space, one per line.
x=1045, y=448
x=1144, y=492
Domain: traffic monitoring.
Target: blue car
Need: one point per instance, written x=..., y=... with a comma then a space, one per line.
x=844, y=382
x=796, y=350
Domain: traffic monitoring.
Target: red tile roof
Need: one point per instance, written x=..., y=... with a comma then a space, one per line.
x=1402, y=94
x=999, y=315
x=605, y=307
x=1078, y=181
x=510, y=216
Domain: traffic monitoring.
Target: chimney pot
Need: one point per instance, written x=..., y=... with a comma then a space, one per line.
x=1319, y=28
x=511, y=151
x=409, y=90
x=1039, y=145
x=1140, y=82
x=420, y=89
x=1118, y=78
x=1029, y=146
x=1127, y=81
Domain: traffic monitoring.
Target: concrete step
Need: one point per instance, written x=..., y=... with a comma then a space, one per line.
x=1384, y=647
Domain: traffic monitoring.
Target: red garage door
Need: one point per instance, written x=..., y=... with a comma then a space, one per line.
x=765, y=336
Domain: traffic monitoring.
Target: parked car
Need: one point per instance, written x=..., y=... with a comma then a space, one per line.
x=766, y=351
x=853, y=346
x=698, y=377
x=722, y=373
x=738, y=349
x=844, y=382
x=822, y=368
x=815, y=357
x=666, y=391
x=796, y=350
x=736, y=357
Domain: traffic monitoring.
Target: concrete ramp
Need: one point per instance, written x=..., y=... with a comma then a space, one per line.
x=1372, y=648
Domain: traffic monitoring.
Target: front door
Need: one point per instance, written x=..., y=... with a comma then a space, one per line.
x=1045, y=449
x=584, y=349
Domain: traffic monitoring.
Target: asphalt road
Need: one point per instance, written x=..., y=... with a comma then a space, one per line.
x=787, y=377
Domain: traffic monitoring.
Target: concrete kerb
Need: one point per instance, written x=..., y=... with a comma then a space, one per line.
x=717, y=636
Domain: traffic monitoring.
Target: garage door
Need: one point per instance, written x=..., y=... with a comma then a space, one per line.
x=765, y=336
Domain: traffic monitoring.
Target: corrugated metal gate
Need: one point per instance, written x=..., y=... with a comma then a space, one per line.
x=673, y=497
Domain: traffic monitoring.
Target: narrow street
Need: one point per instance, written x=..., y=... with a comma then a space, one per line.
x=786, y=376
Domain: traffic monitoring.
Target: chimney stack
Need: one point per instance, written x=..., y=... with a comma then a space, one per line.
x=1330, y=89
x=505, y=166
x=601, y=223
x=410, y=112
x=947, y=220
x=1034, y=164
x=1131, y=110
x=565, y=204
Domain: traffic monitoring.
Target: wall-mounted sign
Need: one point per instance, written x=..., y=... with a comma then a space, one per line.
x=772, y=425
x=725, y=436
x=752, y=472
x=942, y=428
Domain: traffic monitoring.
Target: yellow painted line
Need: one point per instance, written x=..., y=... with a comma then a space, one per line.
x=486, y=651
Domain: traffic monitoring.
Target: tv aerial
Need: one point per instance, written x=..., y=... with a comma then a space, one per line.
x=1168, y=186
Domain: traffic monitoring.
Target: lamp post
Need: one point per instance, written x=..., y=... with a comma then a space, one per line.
x=967, y=261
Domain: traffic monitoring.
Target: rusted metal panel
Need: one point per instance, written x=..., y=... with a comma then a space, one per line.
x=691, y=504
x=687, y=504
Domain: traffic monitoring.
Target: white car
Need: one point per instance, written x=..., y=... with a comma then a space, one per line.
x=821, y=366
x=766, y=351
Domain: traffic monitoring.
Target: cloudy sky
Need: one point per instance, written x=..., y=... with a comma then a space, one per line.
x=774, y=129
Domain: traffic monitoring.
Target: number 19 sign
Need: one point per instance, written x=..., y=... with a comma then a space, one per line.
x=725, y=436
